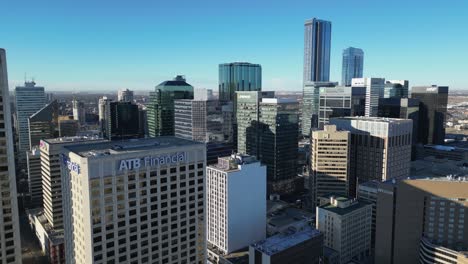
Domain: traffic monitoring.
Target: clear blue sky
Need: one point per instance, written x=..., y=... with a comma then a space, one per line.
x=106, y=45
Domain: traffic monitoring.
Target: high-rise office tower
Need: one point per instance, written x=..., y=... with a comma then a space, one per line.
x=161, y=105
x=310, y=104
x=68, y=127
x=203, y=121
x=317, y=43
x=353, y=65
x=10, y=248
x=122, y=121
x=330, y=149
x=238, y=76
x=79, y=112
x=433, y=110
x=135, y=201
x=396, y=89
x=248, y=105
x=374, y=91
x=43, y=124
x=51, y=178
x=380, y=147
x=367, y=192
x=235, y=203
x=346, y=227
x=340, y=101
x=125, y=96
x=102, y=104
x=29, y=99
x=143, y=121
x=35, y=176
x=422, y=220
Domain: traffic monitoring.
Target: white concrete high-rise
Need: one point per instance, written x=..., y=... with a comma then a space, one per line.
x=135, y=201
x=317, y=45
x=374, y=91
x=29, y=99
x=353, y=65
x=79, y=112
x=235, y=203
x=10, y=248
x=125, y=96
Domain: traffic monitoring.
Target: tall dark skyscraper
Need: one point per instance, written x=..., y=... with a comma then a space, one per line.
x=353, y=65
x=317, y=42
x=238, y=76
x=122, y=121
x=396, y=89
x=161, y=105
x=433, y=109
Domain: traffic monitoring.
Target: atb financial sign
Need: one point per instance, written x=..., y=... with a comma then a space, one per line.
x=150, y=161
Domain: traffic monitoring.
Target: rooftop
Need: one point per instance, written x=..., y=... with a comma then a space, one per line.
x=342, y=205
x=433, y=167
x=179, y=80
x=127, y=146
x=231, y=163
x=280, y=242
x=278, y=100
x=77, y=139
x=373, y=119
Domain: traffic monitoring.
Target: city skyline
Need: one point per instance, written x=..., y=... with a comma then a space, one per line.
x=126, y=38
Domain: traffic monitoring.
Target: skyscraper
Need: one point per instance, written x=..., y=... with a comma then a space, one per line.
x=122, y=120
x=396, y=89
x=29, y=99
x=330, y=153
x=353, y=64
x=433, y=110
x=235, y=204
x=10, y=248
x=161, y=105
x=310, y=104
x=137, y=201
x=238, y=76
x=380, y=147
x=43, y=124
x=125, y=96
x=35, y=176
x=79, y=112
x=422, y=220
x=317, y=42
x=374, y=91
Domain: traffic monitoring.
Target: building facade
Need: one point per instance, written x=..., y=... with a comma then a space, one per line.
x=29, y=99
x=374, y=91
x=161, y=106
x=125, y=96
x=35, y=177
x=10, y=243
x=122, y=121
x=134, y=201
x=317, y=45
x=68, y=127
x=235, y=203
x=396, y=89
x=310, y=104
x=380, y=147
x=352, y=65
x=418, y=217
x=79, y=111
x=346, y=227
x=43, y=124
x=433, y=110
x=238, y=76
x=330, y=154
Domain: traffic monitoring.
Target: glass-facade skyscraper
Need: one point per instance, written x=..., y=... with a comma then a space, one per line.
x=238, y=76
x=317, y=42
x=396, y=89
x=161, y=105
x=353, y=65
x=310, y=104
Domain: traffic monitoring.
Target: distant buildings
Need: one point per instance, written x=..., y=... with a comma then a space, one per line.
x=149, y=193
x=433, y=110
x=238, y=76
x=301, y=246
x=125, y=96
x=43, y=124
x=10, y=243
x=380, y=147
x=396, y=89
x=235, y=203
x=352, y=65
x=29, y=99
x=317, y=43
x=346, y=227
x=161, y=105
x=422, y=220
x=330, y=155
x=205, y=121
x=374, y=91
x=310, y=104
x=79, y=111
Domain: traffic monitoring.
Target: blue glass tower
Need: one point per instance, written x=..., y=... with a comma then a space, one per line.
x=238, y=76
x=353, y=64
x=317, y=42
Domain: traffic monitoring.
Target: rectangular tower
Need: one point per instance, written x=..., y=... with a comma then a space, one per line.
x=374, y=91
x=352, y=65
x=238, y=76
x=135, y=201
x=10, y=248
x=310, y=104
x=317, y=43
